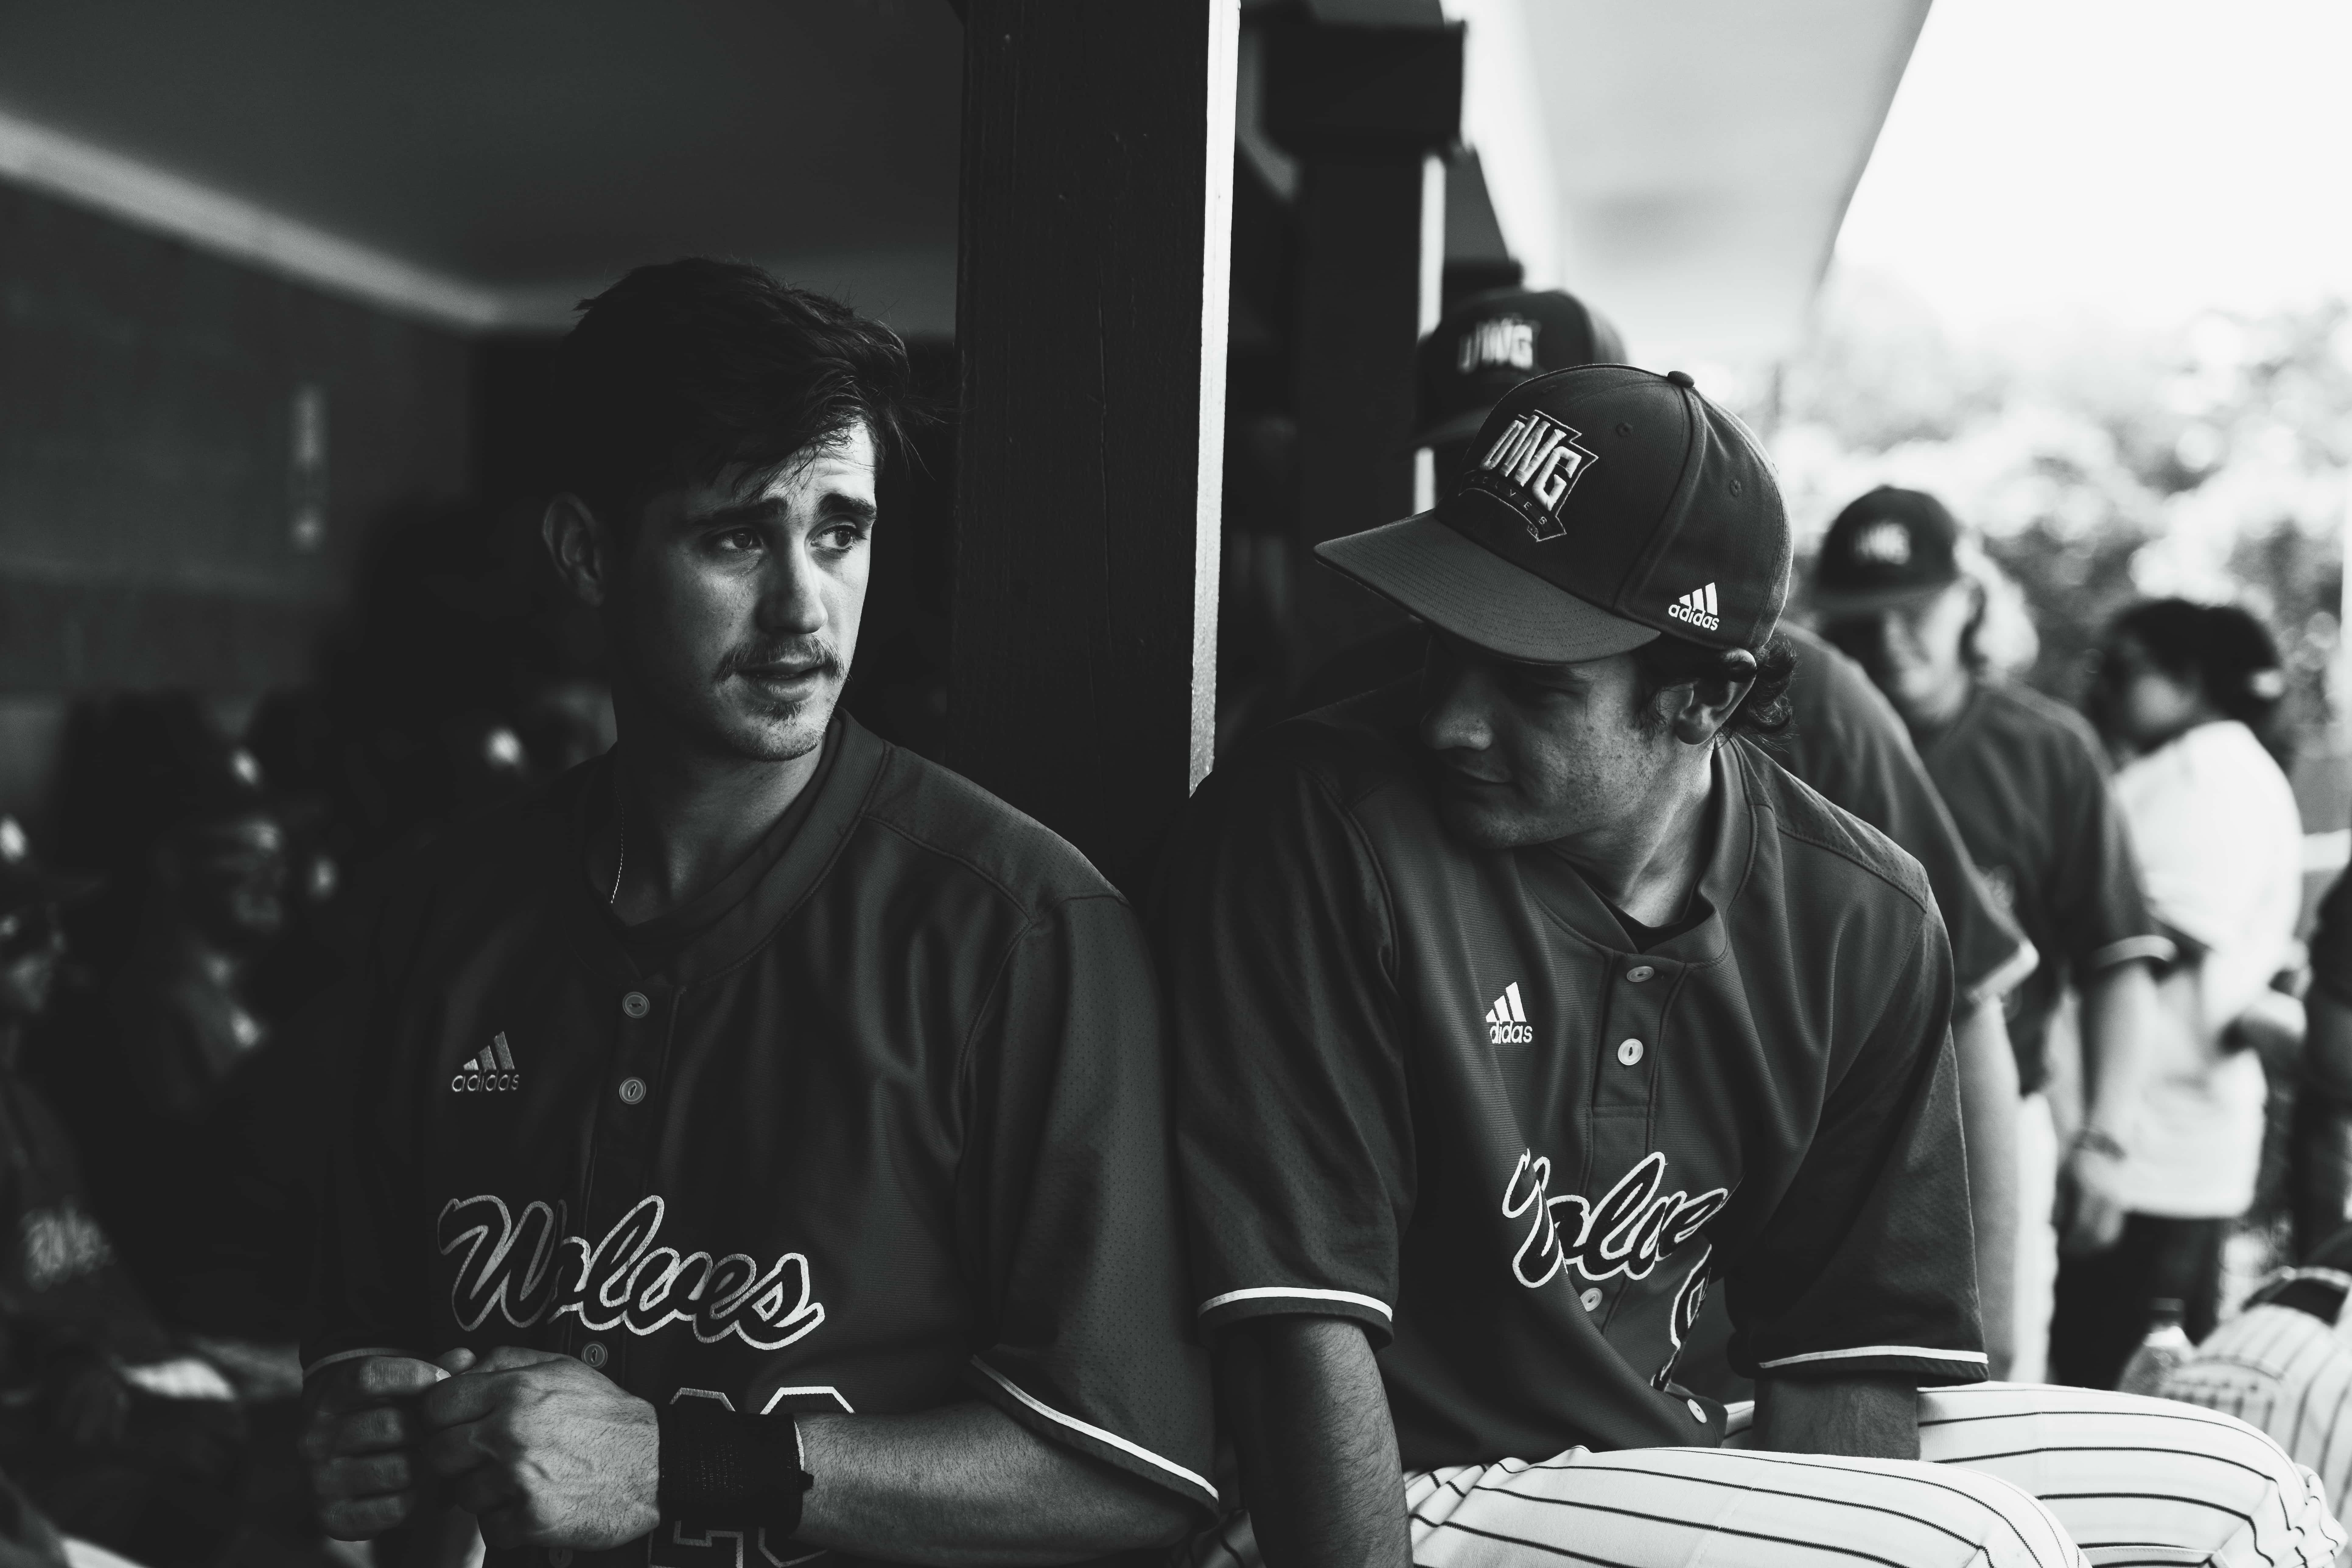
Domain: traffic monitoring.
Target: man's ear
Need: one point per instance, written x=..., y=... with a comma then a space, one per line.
x=579, y=548
x=1715, y=697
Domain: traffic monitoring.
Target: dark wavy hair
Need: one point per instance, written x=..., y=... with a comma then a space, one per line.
x=683, y=370
x=2229, y=654
x=1764, y=714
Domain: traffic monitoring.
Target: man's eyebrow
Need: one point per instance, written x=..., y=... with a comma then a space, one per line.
x=768, y=509
x=840, y=504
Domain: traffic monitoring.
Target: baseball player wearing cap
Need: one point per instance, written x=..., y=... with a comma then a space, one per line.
x=1515, y=1011
x=2027, y=783
x=766, y=1127
x=1842, y=740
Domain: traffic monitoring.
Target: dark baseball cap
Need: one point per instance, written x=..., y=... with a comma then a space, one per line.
x=1886, y=549
x=1489, y=343
x=1599, y=508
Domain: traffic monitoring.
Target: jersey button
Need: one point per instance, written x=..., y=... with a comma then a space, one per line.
x=1698, y=1411
x=1640, y=972
x=633, y=1089
x=1628, y=1052
x=635, y=1005
x=1592, y=1298
x=594, y=1353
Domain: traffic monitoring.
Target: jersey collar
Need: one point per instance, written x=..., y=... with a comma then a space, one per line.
x=1564, y=893
x=836, y=800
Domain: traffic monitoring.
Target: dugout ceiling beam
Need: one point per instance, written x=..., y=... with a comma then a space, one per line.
x=1090, y=312
x=1366, y=92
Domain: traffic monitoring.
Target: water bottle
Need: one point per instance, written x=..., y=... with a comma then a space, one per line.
x=2166, y=1347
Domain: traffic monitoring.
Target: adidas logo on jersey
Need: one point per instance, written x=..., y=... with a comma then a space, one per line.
x=1539, y=459
x=1697, y=608
x=492, y=1072
x=1506, y=1020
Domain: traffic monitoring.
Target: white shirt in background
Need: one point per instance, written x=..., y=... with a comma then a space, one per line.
x=2220, y=843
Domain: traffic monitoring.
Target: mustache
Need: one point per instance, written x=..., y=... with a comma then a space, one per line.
x=813, y=651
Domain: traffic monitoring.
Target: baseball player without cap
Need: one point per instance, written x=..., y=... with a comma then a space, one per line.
x=1885, y=548
x=1602, y=507
x=1489, y=343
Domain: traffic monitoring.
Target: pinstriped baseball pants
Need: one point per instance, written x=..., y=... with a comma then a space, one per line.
x=2029, y=1474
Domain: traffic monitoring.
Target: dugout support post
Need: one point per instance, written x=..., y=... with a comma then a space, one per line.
x=1092, y=274
x=1367, y=94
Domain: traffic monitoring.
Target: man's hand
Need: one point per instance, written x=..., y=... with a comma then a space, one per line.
x=359, y=1442
x=2090, y=1214
x=543, y=1451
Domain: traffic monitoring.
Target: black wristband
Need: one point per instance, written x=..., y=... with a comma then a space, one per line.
x=722, y=1467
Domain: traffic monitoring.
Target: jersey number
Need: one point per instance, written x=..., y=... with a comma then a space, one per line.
x=683, y=1546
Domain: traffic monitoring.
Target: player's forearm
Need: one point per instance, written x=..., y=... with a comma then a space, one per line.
x=2118, y=1017
x=1989, y=1124
x=1860, y=1417
x=966, y=1485
x=1318, y=1456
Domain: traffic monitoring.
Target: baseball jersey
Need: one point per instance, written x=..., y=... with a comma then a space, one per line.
x=1848, y=743
x=2026, y=782
x=1432, y=1089
x=886, y=1129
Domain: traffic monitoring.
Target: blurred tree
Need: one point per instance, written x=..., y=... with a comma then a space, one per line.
x=2101, y=465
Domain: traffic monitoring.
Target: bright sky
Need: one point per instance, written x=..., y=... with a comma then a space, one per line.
x=2144, y=159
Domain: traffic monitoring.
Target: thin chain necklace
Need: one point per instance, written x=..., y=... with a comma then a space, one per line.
x=623, y=860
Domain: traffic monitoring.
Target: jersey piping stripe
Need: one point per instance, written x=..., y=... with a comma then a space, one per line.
x=2009, y=975
x=1267, y=1292
x=1919, y=1353
x=1096, y=1433
x=325, y=1361
x=2156, y=948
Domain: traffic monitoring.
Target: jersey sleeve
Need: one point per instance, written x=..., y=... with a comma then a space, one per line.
x=366, y=1288
x=1865, y=1266
x=1852, y=747
x=1067, y=1204
x=2097, y=898
x=1293, y=1135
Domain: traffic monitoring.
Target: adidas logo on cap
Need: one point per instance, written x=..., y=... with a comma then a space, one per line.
x=1506, y=1020
x=491, y=1072
x=1697, y=608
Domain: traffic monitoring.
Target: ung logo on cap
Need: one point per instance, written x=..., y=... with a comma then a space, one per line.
x=1888, y=543
x=1541, y=459
x=1505, y=340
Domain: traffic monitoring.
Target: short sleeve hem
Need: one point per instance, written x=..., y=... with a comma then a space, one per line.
x=1069, y=1431
x=2007, y=976
x=1925, y=1364
x=1298, y=1301
x=2154, y=949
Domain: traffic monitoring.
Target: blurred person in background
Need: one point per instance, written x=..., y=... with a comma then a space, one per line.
x=2319, y=1158
x=141, y=1060
x=2027, y=783
x=121, y=1434
x=2186, y=690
